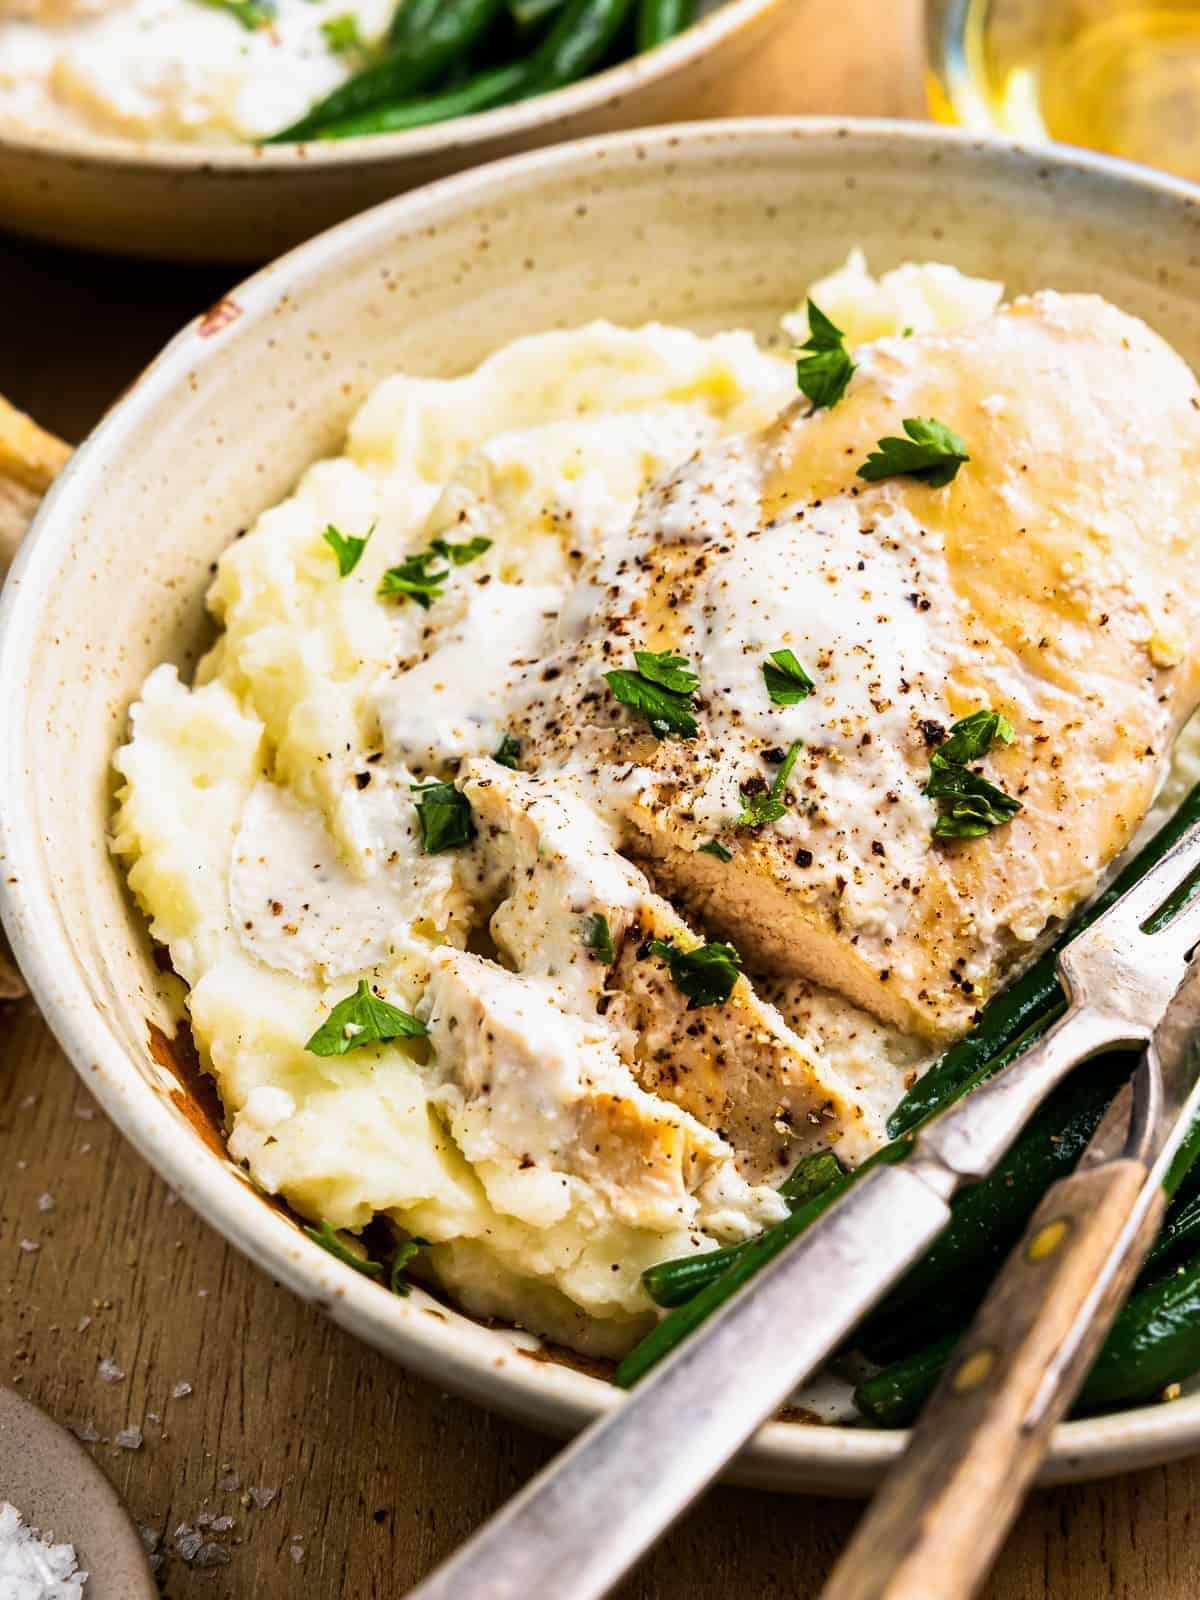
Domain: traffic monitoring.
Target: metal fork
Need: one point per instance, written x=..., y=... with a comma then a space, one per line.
x=578, y=1527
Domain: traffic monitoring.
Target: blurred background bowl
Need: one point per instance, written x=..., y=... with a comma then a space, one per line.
x=192, y=202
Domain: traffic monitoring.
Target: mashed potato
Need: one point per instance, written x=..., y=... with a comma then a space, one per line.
x=173, y=69
x=267, y=828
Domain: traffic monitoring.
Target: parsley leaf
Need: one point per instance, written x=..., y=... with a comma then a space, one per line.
x=786, y=680
x=823, y=376
x=397, y=1282
x=460, y=554
x=714, y=847
x=971, y=737
x=329, y=1240
x=362, y=1018
x=661, y=689
x=707, y=975
x=444, y=816
x=252, y=14
x=342, y=35
x=932, y=452
x=347, y=549
x=597, y=936
x=758, y=809
x=413, y=581
x=969, y=805
x=507, y=752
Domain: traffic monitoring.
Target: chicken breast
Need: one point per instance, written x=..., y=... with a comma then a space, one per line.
x=1054, y=581
x=734, y=1066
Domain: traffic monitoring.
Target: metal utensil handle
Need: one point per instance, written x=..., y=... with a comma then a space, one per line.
x=935, y=1527
x=582, y=1523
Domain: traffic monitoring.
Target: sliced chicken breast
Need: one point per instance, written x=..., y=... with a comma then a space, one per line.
x=1053, y=581
x=735, y=1066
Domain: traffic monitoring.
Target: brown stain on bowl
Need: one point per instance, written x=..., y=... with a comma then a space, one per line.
x=218, y=316
x=195, y=1094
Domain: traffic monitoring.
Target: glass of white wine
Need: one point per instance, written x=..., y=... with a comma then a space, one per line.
x=1122, y=76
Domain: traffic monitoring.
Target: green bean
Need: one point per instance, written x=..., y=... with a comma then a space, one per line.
x=893, y=1398
x=485, y=90
x=673, y=1283
x=1036, y=997
x=576, y=43
x=660, y=20
x=419, y=61
x=528, y=13
x=410, y=20
x=1178, y=1236
x=1154, y=1341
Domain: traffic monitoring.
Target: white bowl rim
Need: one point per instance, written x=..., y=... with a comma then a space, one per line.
x=458, y=1354
x=459, y=133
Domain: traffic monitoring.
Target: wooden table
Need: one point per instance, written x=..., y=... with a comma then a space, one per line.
x=377, y=1475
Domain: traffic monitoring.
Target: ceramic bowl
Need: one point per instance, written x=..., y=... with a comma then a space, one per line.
x=712, y=225
x=192, y=202
x=62, y=1494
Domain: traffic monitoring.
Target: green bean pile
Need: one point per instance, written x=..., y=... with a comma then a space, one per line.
x=911, y=1335
x=451, y=58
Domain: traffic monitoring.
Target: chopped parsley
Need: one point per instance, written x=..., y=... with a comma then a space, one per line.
x=969, y=805
x=252, y=14
x=460, y=554
x=824, y=374
x=444, y=817
x=412, y=580
x=397, y=1282
x=661, y=689
x=329, y=1240
x=707, y=975
x=362, y=1018
x=767, y=805
x=597, y=936
x=508, y=752
x=932, y=452
x=714, y=847
x=786, y=680
x=347, y=549
x=342, y=35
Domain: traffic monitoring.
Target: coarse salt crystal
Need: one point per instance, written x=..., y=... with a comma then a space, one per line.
x=230, y=1483
x=262, y=1497
x=45, y=1202
x=108, y=1369
x=296, y=1552
x=85, y=1432
x=222, y=1524
x=83, y=1324
x=32, y=1568
x=30, y=1246
x=128, y=1438
x=180, y=1390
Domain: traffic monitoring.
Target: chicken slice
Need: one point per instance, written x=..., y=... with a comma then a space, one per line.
x=1054, y=581
x=736, y=1067
x=540, y=1093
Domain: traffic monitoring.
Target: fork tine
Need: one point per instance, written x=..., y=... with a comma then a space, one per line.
x=1127, y=915
x=1181, y=933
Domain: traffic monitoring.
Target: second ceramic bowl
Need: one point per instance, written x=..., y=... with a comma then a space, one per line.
x=192, y=202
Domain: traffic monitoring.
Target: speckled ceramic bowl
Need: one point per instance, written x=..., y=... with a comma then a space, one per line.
x=62, y=1494
x=191, y=202
x=718, y=225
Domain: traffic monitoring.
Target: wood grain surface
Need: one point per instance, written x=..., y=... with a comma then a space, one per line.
x=377, y=1475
